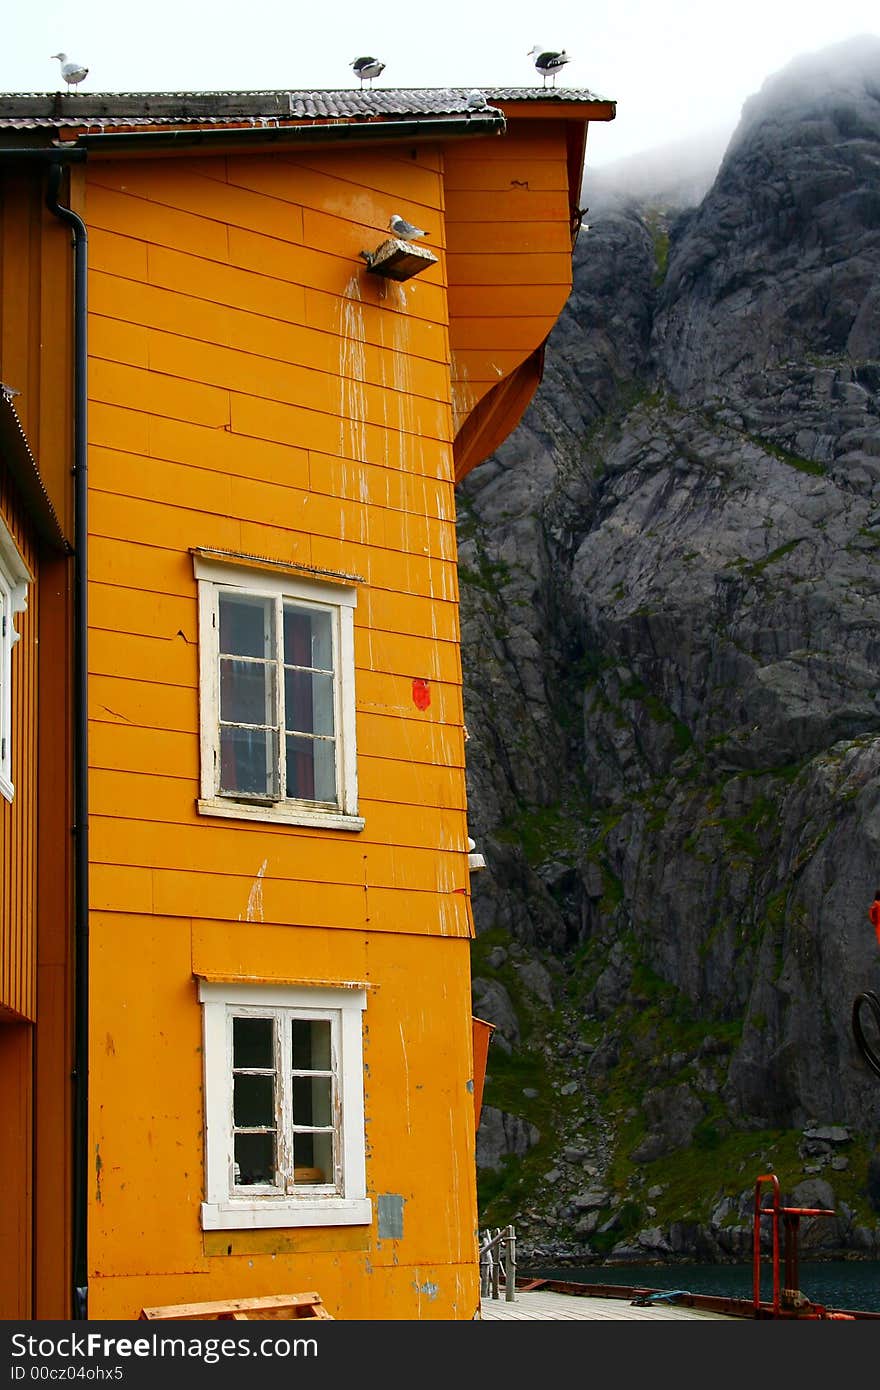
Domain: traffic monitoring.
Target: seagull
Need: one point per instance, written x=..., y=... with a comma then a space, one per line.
x=71, y=72
x=476, y=100
x=549, y=63
x=367, y=67
x=403, y=229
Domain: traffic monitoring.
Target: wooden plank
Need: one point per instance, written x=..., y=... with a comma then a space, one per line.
x=274, y=1306
x=503, y=238
x=179, y=269
x=386, y=321
x=219, y=847
x=550, y=268
x=328, y=178
x=113, y=211
x=169, y=800
x=166, y=184
x=500, y=175
x=262, y=337
x=333, y=270
x=484, y=334
x=349, y=523
x=517, y=205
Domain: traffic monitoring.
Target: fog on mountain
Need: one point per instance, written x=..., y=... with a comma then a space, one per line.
x=670, y=580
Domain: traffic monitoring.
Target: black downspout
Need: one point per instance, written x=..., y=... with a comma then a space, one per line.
x=80, y=750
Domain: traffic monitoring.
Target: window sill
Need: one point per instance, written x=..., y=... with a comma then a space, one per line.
x=279, y=814
x=252, y=1215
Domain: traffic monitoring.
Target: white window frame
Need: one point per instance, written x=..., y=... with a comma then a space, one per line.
x=342, y=1202
x=14, y=580
x=339, y=601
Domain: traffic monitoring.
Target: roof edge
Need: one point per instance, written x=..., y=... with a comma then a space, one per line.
x=16, y=451
x=219, y=138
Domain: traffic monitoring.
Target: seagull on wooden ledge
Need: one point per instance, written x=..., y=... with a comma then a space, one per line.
x=403, y=229
x=367, y=68
x=549, y=63
x=70, y=71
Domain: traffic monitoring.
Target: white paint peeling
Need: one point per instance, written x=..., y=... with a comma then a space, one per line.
x=464, y=398
x=406, y=1077
x=254, y=910
x=353, y=373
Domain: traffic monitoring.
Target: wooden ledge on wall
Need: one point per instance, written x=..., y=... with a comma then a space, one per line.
x=398, y=260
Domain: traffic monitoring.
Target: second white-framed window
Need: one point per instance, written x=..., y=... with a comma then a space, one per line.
x=277, y=696
x=284, y=1106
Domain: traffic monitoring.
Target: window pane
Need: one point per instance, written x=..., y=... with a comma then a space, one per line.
x=247, y=625
x=312, y=1100
x=247, y=692
x=311, y=768
x=325, y=769
x=253, y=1101
x=308, y=702
x=248, y=761
x=311, y=1044
x=313, y=1158
x=252, y=1043
x=254, y=1159
x=307, y=638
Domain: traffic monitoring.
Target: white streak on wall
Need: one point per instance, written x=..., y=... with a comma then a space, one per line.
x=254, y=910
x=464, y=398
x=406, y=1077
x=353, y=395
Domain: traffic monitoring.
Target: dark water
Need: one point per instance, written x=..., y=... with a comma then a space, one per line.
x=835, y=1283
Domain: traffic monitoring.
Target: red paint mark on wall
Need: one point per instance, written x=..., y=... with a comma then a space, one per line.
x=421, y=693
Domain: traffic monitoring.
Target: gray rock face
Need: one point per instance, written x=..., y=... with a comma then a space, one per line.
x=670, y=580
x=501, y=1134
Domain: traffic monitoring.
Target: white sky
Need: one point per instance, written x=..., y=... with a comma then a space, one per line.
x=676, y=68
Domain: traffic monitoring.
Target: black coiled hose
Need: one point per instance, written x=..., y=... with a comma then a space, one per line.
x=866, y=999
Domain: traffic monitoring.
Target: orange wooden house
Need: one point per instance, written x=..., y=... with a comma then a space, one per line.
x=235, y=1019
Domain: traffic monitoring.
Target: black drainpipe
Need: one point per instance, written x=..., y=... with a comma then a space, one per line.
x=80, y=749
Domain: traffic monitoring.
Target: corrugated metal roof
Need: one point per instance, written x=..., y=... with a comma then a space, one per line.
x=98, y=111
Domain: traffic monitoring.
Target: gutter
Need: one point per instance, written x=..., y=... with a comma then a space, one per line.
x=218, y=140
x=80, y=748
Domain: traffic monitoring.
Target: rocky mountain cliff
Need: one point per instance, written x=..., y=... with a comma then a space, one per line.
x=670, y=581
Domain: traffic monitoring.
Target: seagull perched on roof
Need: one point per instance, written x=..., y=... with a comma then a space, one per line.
x=367, y=68
x=476, y=100
x=70, y=71
x=549, y=63
x=403, y=229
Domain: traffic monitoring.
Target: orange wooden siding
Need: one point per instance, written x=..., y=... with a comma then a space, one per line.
x=509, y=252
x=310, y=426
x=417, y=1024
x=253, y=390
x=35, y=323
x=16, y=1156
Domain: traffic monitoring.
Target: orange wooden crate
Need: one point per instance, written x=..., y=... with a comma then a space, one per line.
x=282, y=1306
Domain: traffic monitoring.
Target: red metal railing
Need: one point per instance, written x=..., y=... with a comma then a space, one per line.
x=783, y=1304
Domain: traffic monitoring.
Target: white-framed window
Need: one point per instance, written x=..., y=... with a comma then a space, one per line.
x=284, y=1106
x=277, y=701
x=14, y=580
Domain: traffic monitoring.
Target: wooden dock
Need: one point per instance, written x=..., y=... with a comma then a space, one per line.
x=547, y=1305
